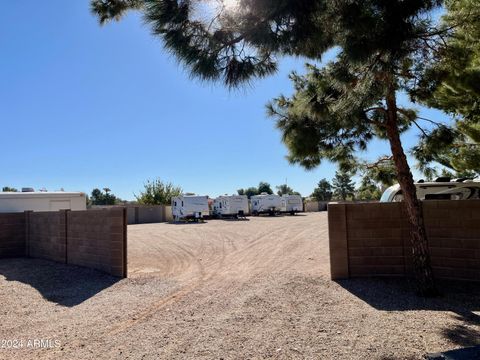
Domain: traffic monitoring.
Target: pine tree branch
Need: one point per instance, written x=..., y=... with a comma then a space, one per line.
x=420, y=128
x=377, y=163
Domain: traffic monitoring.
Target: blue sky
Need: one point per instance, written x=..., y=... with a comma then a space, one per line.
x=84, y=106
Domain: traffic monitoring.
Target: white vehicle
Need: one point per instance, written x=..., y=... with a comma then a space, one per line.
x=235, y=205
x=190, y=207
x=292, y=204
x=42, y=201
x=266, y=204
x=440, y=189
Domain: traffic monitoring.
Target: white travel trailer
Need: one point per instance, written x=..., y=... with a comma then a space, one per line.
x=266, y=204
x=292, y=204
x=440, y=189
x=187, y=207
x=235, y=205
x=42, y=201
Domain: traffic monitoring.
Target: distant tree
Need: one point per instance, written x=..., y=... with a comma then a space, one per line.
x=9, y=189
x=382, y=172
x=99, y=198
x=264, y=187
x=323, y=191
x=286, y=190
x=343, y=186
x=156, y=192
x=251, y=191
x=368, y=190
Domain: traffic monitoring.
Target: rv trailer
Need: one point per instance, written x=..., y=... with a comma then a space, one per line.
x=292, y=204
x=42, y=201
x=231, y=206
x=266, y=204
x=190, y=207
x=442, y=188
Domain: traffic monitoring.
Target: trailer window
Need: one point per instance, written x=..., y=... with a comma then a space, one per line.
x=175, y=203
x=182, y=203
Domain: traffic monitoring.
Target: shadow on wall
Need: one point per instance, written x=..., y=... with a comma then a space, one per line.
x=397, y=294
x=65, y=285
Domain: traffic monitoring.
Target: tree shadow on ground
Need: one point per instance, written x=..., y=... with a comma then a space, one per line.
x=65, y=285
x=398, y=294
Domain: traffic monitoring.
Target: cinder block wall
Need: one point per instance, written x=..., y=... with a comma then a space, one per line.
x=12, y=235
x=374, y=239
x=148, y=214
x=96, y=239
x=314, y=206
x=46, y=233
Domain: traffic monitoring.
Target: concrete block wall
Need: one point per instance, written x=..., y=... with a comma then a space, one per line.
x=374, y=239
x=46, y=232
x=148, y=214
x=12, y=235
x=314, y=206
x=96, y=239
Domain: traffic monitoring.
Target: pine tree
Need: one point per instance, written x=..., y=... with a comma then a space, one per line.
x=323, y=191
x=336, y=110
x=343, y=186
x=452, y=83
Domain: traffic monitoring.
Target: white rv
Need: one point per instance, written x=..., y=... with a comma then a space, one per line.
x=440, y=189
x=235, y=205
x=190, y=207
x=266, y=204
x=292, y=204
x=42, y=201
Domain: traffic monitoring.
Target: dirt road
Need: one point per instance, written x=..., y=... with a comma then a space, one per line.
x=226, y=290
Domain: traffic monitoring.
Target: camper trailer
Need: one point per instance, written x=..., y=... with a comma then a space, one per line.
x=266, y=204
x=292, y=204
x=442, y=188
x=42, y=201
x=231, y=206
x=190, y=207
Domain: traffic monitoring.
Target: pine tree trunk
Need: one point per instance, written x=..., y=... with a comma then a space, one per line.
x=421, y=258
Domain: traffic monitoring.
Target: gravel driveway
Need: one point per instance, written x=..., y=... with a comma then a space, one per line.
x=226, y=290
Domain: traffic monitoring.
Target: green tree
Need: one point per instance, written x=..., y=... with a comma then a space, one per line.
x=382, y=172
x=9, y=189
x=452, y=83
x=251, y=191
x=323, y=191
x=156, y=192
x=264, y=187
x=336, y=110
x=284, y=189
x=368, y=190
x=343, y=186
x=98, y=197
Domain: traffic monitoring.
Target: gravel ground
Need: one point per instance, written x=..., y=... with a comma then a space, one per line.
x=227, y=290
